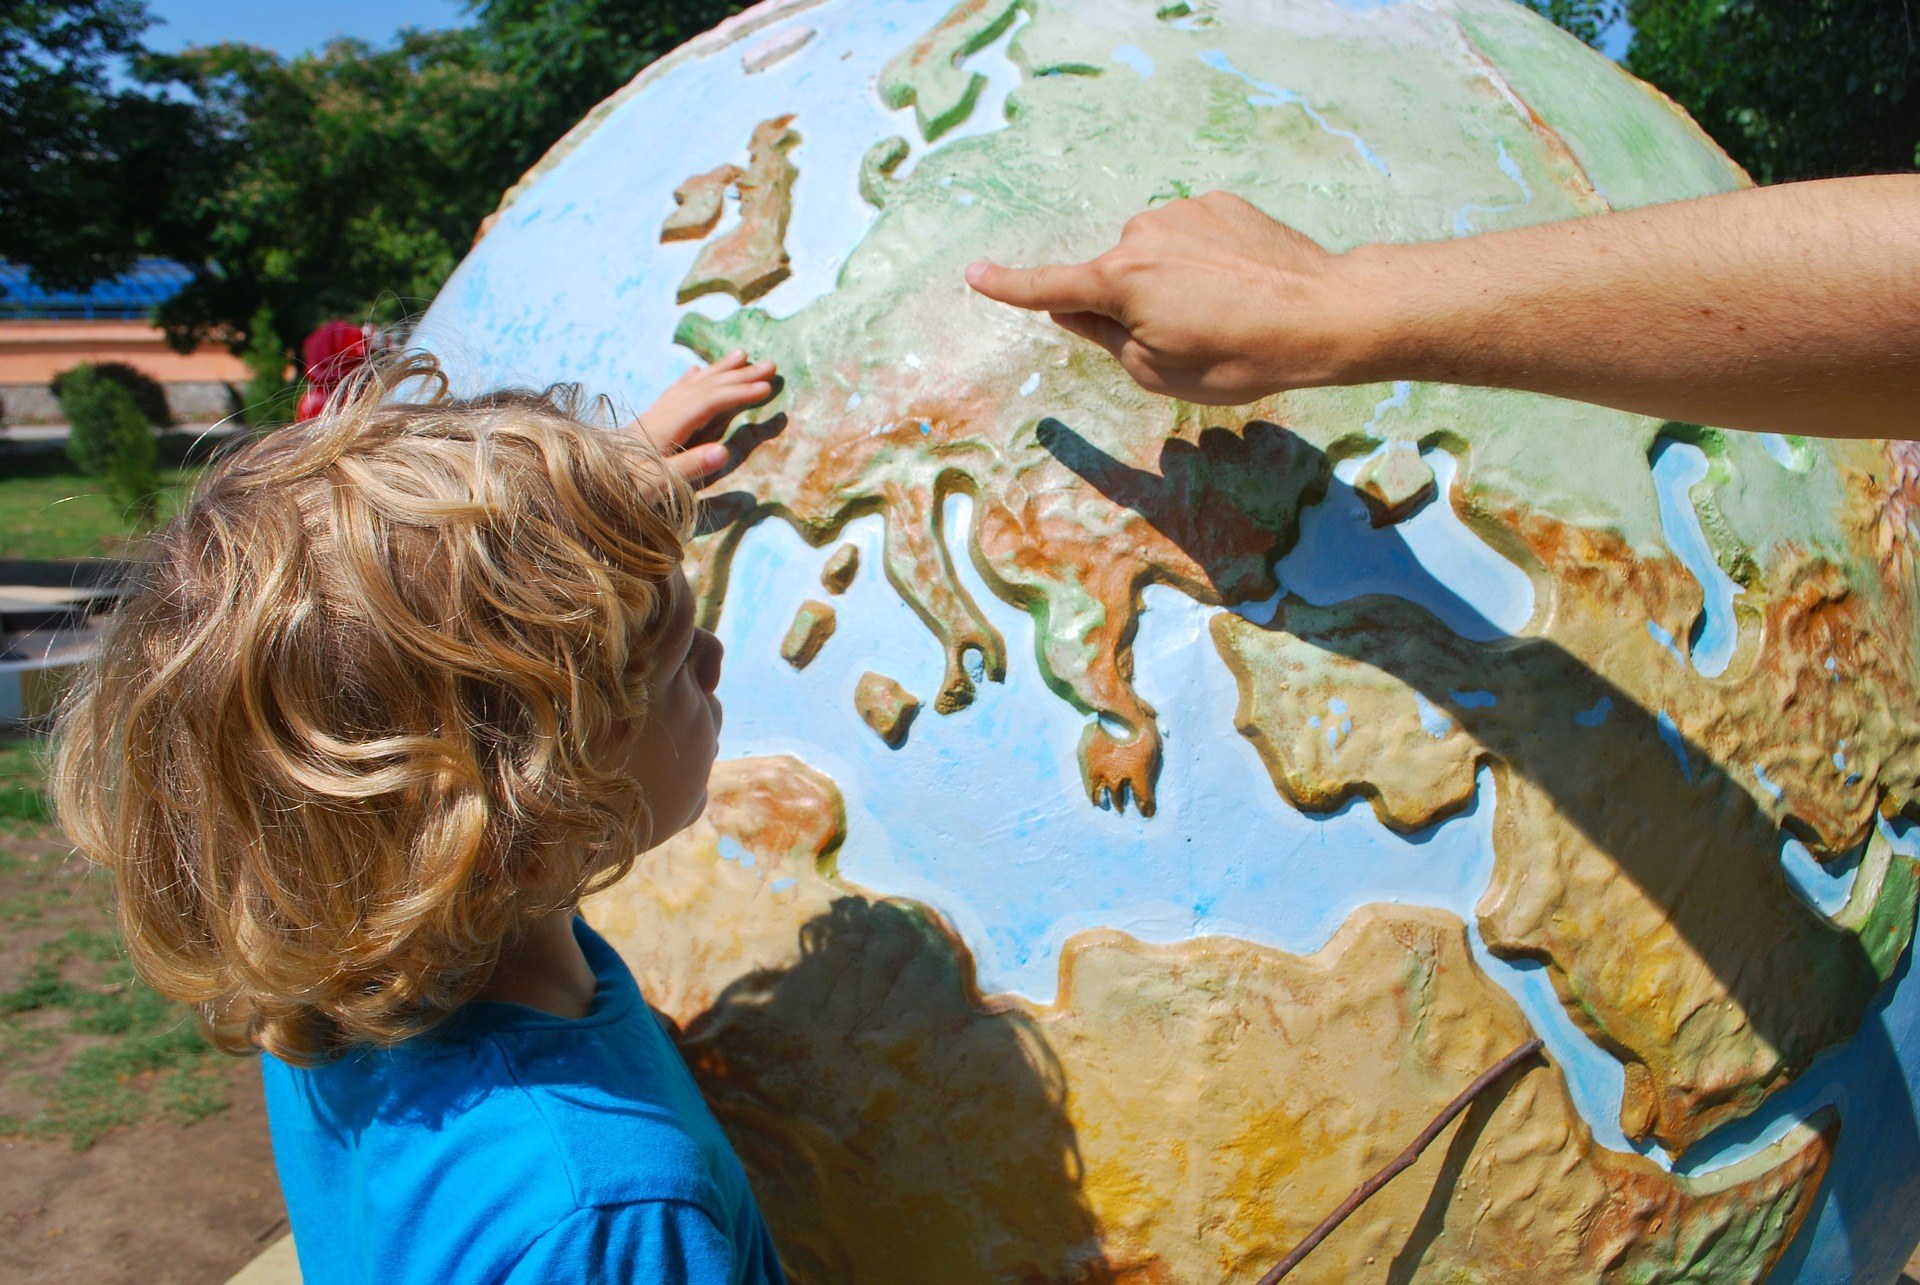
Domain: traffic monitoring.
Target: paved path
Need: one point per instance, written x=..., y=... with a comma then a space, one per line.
x=29, y=436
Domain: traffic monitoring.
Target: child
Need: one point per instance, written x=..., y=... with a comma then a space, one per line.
x=402, y=684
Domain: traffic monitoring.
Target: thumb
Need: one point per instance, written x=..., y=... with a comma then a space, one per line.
x=697, y=463
x=1105, y=331
x=1059, y=287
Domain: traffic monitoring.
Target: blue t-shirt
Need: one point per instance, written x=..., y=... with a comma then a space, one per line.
x=511, y=1145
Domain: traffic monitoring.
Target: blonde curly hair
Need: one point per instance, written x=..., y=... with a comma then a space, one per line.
x=340, y=747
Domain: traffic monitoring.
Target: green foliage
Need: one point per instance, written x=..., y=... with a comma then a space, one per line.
x=561, y=59
x=270, y=396
x=90, y=175
x=145, y=390
x=23, y=783
x=152, y=1055
x=1792, y=89
x=49, y=509
x=350, y=181
x=110, y=439
x=344, y=183
x=1586, y=19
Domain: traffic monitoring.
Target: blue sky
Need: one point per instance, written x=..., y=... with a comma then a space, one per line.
x=292, y=28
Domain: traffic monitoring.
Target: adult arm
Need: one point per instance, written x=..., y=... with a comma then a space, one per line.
x=1793, y=308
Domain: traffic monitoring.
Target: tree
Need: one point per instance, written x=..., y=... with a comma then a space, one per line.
x=89, y=175
x=1587, y=19
x=563, y=56
x=1791, y=88
x=345, y=183
x=146, y=391
x=349, y=181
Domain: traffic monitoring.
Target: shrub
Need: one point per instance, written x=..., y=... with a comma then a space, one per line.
x=110, y=439
x=270, y=396
x=145, y=390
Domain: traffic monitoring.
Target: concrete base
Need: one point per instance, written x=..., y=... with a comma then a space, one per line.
x=191, y=402
x=278, y=1266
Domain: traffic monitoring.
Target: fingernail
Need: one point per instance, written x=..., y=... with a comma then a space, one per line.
x=975, y=273
x=712, y=456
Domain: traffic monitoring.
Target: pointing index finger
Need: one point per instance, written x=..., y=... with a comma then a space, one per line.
x=1057, y=287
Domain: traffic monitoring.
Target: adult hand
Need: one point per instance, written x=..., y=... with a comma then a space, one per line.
x=1789, y=309
x=699, y=403
x=1207, y=300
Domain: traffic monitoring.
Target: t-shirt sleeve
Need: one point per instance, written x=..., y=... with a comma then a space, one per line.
x=649, y=1242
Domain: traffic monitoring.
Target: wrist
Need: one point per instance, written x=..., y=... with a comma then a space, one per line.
x=1371, y=300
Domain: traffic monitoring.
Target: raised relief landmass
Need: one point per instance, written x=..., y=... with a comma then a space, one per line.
x=886, y=707
x=752, y=258
x=1078, y=503
x=1180, y=1113
x=697, y=204
x=1394, y=484
x=840, y=570
x=1640, y=805
x=812, y=625
x=927, y=76
x=1637, y=849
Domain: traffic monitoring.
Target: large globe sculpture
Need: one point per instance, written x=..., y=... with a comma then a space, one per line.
x=1137, y=820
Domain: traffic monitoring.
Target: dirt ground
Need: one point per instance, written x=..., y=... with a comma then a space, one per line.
x=158, y=1202
x=129, y=1150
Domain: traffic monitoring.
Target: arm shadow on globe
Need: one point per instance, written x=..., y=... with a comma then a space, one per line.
x=1662, y=841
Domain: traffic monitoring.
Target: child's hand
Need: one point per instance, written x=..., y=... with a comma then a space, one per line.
x=699, y=400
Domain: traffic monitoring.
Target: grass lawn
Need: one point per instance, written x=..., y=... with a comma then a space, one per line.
x=85, y=1046
x=49, y=509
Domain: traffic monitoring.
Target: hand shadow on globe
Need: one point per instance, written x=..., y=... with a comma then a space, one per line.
x=1591, y=788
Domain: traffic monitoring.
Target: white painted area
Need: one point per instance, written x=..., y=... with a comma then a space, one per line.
x=782, y=44
x=1431, y=559
x=1677, y=468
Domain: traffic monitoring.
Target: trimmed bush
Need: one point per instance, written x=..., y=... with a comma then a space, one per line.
x=270, y=397
x=145, y=390
x=108, y=438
